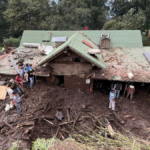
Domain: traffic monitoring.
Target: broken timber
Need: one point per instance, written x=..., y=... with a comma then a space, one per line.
x=68, y=115
x=118, y=117
x=76, y=119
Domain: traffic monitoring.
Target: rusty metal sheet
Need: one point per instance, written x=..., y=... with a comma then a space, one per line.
x=147, y=55
x=3, y=92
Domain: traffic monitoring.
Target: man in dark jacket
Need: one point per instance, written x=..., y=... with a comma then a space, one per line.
x=118, y=88
x=31, y=77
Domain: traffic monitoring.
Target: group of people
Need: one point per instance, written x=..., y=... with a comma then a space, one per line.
x=15, y=88
x=115, y=92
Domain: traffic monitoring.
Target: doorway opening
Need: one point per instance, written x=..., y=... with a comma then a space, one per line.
x=59, y=80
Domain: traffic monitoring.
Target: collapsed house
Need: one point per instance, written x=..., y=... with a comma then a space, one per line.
x=77, y=58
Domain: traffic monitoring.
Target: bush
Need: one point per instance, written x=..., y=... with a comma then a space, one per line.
x=43, y=144
x=14, y=42
x=145, y=40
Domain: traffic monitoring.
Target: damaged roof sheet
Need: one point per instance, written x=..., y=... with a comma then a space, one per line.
x=118, y=38
x=75, y=43
x=6, y=66
x=121, y=61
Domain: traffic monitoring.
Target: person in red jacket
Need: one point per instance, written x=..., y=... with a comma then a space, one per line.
x=130, y=91
x=19, y=79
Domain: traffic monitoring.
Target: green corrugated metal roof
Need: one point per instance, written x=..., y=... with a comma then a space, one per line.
x=75, y=43
x=118, y=38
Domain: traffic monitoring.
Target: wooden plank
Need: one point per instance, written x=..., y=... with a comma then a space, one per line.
x=87, y=43
x=3, y=92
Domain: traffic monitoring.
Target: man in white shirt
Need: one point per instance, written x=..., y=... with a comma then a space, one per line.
x=10, y=91
x=112, y=100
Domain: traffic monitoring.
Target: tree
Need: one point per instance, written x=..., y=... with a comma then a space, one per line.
x=26, y=15
x=129, y=21
x=119, y=8
x=76, y=14
x=61, y=15
x=4, y=26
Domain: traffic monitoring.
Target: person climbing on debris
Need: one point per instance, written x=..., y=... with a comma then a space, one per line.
x=31, y=76
x=118, y=88
x=112, y=100
x=17, y=100
x=21, y=66
x=130, y=91
x=14, y=87
x=10, y=91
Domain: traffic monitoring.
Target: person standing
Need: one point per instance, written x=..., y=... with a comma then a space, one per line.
x=21, y=66
x=117, y=88
x=10, y=91
x=27, y=67
x=25, y=78
x=19, y=79
x=17, y=100
x=31, y=77
x=112, y=99
x=130, y=91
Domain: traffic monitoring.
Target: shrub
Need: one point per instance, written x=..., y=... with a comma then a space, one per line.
x=14, y=42
x=145, y=40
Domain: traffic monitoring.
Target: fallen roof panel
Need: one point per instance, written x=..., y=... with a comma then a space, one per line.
x=147, y=55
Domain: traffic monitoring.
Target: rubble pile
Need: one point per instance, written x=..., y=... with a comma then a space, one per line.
x=79, y=109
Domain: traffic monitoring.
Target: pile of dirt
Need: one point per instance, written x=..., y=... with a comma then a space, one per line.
x=78, y=108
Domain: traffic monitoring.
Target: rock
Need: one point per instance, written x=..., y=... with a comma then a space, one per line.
x=83, y=106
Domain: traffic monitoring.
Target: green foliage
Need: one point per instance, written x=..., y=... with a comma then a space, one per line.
x=64, y=15
x=145, y=41
x=4, y=26
x=15, y=146
x=129, y=21
x=14, y=42
x=43, y=144
x=26, y=14
x=119, y=8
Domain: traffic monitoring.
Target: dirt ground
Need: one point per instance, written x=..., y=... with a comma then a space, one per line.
x=43, y=100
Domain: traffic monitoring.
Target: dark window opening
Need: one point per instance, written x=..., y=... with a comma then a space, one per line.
x=77, y=59
x=94, y=56
x=45, y=40
x=94, y=67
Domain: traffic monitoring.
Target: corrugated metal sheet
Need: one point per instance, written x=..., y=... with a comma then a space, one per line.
x=119, y=38
x=147, y=55
x=59, y=39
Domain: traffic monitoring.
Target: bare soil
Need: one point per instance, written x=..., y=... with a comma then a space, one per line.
x=43, y=101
